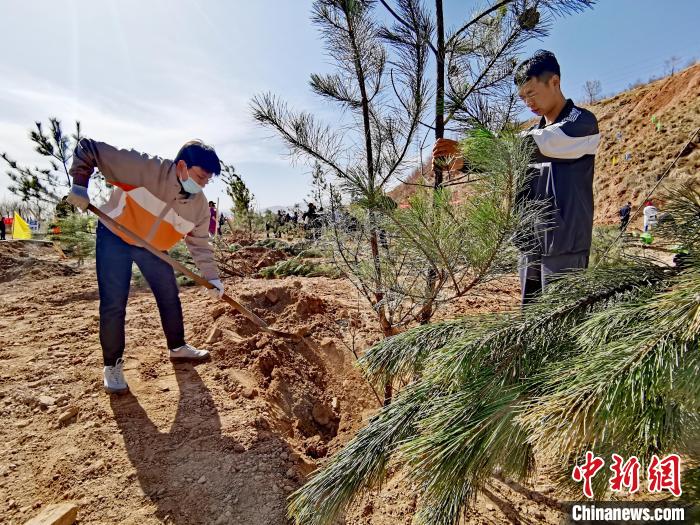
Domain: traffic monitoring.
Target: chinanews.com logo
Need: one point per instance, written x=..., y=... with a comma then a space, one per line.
x=628, y=513
x=662, y=477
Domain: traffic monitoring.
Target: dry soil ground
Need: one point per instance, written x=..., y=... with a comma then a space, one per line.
x=222, y=442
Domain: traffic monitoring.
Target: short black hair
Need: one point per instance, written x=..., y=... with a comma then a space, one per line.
x=541, y=65
x=196, y=153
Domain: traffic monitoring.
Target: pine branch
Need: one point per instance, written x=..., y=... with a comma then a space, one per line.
x=299, y=131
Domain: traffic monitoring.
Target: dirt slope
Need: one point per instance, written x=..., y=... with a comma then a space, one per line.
x=627, y=132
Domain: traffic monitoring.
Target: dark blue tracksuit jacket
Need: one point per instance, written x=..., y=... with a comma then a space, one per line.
x=562, y=180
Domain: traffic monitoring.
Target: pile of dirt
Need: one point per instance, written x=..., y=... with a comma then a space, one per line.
x=249, y=260
x=303, y=380
x=27, y=260
x=244, y=257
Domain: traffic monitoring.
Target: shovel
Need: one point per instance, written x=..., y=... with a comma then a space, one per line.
x=257, y=321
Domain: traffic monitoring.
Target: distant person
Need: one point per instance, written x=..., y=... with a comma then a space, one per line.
x=313, y=224
x=279, y=223
x=353, y=224
x=64, y=208
x=212, y=219
x=310, y=214
x=650, y=213
x=222, y=221
x=564, y=141
x=161, y=201
x=3, y=228
x=383, y=239
x=625, y=215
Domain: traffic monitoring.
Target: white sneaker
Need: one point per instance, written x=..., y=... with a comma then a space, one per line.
x=188, y=353
x=114, y=378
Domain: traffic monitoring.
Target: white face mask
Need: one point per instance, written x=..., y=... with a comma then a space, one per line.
x=190, y=186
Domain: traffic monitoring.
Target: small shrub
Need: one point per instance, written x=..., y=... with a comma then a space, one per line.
x=305, y=249
x=299, y=267
x=76, y=235
x=273, y=244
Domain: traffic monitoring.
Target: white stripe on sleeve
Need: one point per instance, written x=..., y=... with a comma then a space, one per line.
x=554, y=143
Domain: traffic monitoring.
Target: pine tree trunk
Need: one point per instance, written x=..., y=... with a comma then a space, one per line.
x=439, y=84
x=427, y=310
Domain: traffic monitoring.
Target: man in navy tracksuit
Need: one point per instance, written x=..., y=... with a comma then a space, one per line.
x=564, y=143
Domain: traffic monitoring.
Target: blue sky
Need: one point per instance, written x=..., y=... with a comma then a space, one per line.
x=152, y=74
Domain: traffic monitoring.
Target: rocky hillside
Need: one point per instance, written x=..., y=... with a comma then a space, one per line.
x=642, y=131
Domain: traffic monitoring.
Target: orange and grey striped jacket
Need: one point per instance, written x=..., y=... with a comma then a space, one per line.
x=148, y=199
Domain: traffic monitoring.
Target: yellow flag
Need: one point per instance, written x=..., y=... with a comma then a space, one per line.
x=20, y=229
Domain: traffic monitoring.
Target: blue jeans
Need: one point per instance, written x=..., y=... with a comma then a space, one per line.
x=114, y=258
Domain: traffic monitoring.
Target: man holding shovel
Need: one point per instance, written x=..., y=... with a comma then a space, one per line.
x=161, y=202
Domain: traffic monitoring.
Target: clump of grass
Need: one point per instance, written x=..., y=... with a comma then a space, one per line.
x=306, y=249
x=273, y=244
x=299, y=267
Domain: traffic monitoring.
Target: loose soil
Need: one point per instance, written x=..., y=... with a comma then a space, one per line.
x=222, y=442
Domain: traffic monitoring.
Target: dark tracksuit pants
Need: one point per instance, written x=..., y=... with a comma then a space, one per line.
x=114, y=258
x=537, y=271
